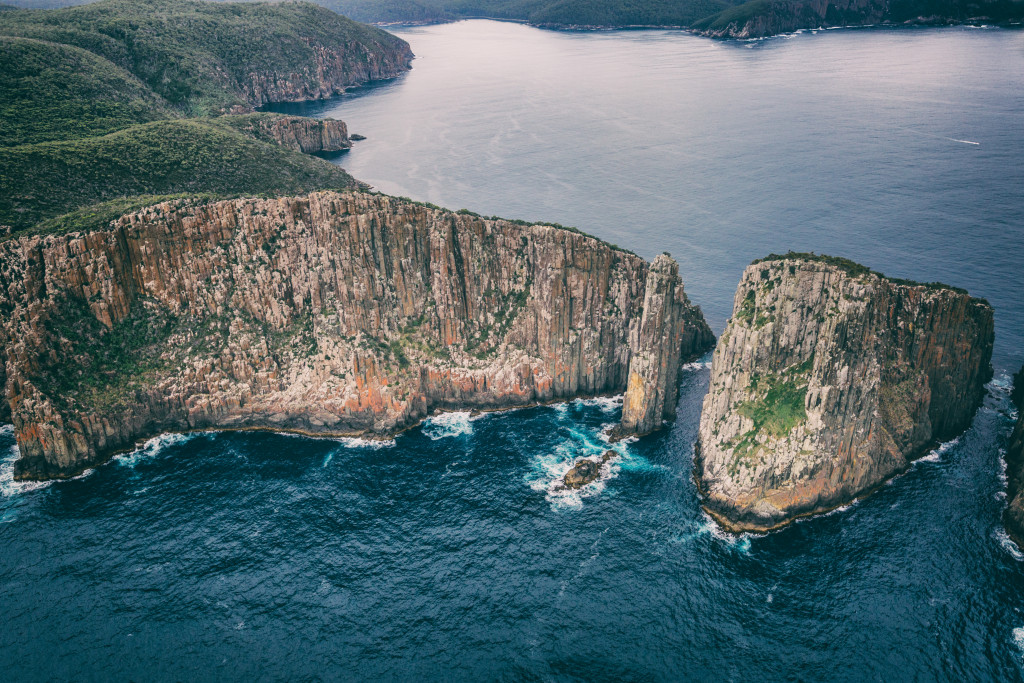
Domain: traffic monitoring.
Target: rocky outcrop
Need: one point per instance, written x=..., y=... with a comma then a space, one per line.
x=652, y=390
x=329, y=314
x=827, y=381
x=1013, y=516
x=586, y=470
x=310, y=136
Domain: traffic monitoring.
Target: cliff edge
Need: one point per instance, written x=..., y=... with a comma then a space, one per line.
x=332, y=313
x=827, y=381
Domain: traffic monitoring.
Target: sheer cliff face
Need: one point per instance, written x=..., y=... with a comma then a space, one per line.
x=332, y=69
x=827, y=381
x=328, y=314
x=668, y=324
x=1013, y=517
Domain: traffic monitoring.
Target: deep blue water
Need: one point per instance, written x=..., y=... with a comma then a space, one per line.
x=446, y=554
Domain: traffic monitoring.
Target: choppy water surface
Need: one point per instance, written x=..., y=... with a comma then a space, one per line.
x=449, y=553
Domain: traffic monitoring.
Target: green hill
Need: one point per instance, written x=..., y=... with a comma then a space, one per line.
x=204, y=57
x=110, y=103
x=59, y=92
x=43, y=180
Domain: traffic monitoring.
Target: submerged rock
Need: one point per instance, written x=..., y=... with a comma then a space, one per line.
x=332, y=313
x=827, y=381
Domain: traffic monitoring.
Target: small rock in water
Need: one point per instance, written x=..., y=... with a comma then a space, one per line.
x=356, y=137
x=586, y=471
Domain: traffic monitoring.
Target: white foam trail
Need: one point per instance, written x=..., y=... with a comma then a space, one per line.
x=448, y=424
x=697, y=365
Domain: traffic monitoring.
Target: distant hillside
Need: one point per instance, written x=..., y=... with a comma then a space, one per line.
x=759, y=18
x=109, y=105
x=55, y=92
x=715, y=18
x=204, y=57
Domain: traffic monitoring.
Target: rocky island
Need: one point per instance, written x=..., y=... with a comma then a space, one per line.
x=330, y=313
x=828, y=380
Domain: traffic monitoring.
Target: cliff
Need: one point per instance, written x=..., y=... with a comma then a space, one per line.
x=325, y=314
x=298, y=133
x=827, y=381
x=1013, y=516
x=666, y=326
x=206, y=58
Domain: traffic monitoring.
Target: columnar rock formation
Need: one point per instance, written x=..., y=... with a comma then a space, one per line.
x=652, y=390
x=1013, y=517
x=310, y=136
x=332, y=313
x=828, y=380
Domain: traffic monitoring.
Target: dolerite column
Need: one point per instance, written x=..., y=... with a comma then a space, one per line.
x=652, y=388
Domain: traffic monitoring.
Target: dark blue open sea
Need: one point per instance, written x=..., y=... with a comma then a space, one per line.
x=446, y=554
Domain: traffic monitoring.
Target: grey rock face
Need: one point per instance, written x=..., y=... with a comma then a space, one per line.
x=333, y=313
x=828, y=380
x=653, y=387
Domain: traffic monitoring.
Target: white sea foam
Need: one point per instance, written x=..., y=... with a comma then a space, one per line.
x=356, y=442
x=151, y=448
x=1018, y=637
x=697, y=365
x=448, y=424
x=941, y=450
x=6, y=430
x=9, y=487
x=1007, y=544
x=606, y=403
x=549, y=469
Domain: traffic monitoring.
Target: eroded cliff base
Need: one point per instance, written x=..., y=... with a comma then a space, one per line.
x=327, y=314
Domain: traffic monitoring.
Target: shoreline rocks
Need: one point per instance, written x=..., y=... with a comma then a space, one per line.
x=585, y=471
x=323, y=314
x=828, y=380
x=1013, y=516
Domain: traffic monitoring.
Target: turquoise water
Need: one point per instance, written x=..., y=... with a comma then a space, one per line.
x=449, y=553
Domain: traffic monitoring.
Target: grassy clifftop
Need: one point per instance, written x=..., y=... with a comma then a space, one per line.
x=114, y=101
x=44, y=180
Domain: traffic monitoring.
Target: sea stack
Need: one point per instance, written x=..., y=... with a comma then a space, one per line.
x=661, y=341
x=327, y=314
x=828, y=380
x=1013, y=517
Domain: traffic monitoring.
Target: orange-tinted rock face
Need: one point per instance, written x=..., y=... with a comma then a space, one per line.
x=327, y=314
x=827, y=382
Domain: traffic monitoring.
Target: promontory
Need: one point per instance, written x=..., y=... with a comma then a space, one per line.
x=828, y=380
x=332, y=313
